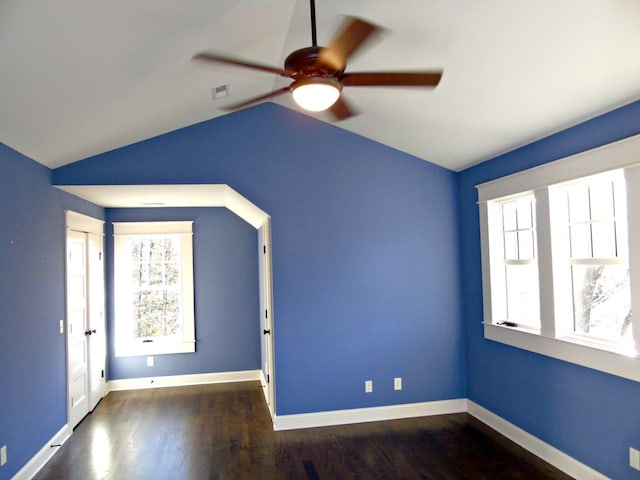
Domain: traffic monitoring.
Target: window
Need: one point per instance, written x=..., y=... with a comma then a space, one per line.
x=153, y=266
x=558, y=272
x=517, y=259
x=596, y=247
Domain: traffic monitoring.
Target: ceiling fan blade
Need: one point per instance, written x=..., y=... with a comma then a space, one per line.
x=384, y=79
x=259, y=98
x=209, y=57
x=341, y=109
x=352, y=35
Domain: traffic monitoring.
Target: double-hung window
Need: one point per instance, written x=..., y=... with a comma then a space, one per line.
x=560, y=272
x=594, y=248
x=153, y=266
x=515, y=261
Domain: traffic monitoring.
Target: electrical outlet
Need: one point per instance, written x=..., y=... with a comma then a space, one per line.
x=61, y=326
x=634, y=458
x=397, y=383
x=368, y=386
x=3, y=455
x=150, y=362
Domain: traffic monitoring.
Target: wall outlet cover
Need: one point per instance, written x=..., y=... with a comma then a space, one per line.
x=634, y=458
x=397, y=383
x=368, y=386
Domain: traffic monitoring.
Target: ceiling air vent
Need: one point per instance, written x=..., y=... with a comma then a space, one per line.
x=220, y=91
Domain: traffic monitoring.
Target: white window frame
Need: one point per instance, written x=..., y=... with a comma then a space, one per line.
x=552, y=339
x=124, y=345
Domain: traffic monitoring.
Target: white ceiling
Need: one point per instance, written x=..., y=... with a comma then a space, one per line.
x=81, y=77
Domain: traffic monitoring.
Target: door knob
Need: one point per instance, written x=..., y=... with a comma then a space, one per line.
x=89, y=332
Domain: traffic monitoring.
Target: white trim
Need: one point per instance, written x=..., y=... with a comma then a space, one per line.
x=35, y=464
x=371, y=414
x=178, y=195
x=182, y=380
x=620, y=154
x=569, y=349
x=153, y=228
x=546, y=452
x=83, y=223
x=242, y=207
x=265, y=391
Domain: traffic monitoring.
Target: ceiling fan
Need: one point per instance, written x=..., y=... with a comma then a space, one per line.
x=319, y=75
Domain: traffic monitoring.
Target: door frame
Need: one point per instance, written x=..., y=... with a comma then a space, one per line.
x=266, y=325
x=89, y=226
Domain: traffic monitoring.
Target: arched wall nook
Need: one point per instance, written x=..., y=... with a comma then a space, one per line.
x=204, y=195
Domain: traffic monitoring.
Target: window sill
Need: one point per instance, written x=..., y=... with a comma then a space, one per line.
x=568, y=349
x=135, y=349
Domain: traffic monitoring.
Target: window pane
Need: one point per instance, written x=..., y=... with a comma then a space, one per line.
x=155, y=273
x=603, y=239
x=522, y=294
x=172, y=274
x=509, y=221
x=524, y=213
x=156, y=313
x=525, y=245
x=602, y=301
x=578, y=197
x=171, y=247
x=511, y=246
x=580, y=240
x=601, y=200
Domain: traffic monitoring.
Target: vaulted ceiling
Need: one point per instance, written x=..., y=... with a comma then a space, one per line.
x=79, y=78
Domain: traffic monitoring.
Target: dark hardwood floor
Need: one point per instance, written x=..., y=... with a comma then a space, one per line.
x=224, y=431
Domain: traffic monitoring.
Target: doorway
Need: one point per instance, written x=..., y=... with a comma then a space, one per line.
x=85, y=318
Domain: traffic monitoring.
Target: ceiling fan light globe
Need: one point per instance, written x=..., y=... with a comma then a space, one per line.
x=315, y=94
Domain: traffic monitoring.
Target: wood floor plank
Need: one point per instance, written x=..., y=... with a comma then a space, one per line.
x=223, y=432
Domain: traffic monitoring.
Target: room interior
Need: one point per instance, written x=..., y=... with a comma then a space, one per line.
x=374, y=219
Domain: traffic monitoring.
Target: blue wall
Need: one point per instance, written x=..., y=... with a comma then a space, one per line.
x=592, y=416
x=368, y=265
x=227, y=317
x=33, y=391
x=365, y=254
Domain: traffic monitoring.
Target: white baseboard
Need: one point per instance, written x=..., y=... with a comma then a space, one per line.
x=38, y=461
x=183, y=380
x=546, y=452
x=373, y=414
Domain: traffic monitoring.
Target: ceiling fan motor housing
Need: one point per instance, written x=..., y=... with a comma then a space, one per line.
x=305, y=63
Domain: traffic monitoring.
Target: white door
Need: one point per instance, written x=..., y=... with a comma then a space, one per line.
x=77, y=323
x=266, y=313
x=97, y=340
x=86, y=335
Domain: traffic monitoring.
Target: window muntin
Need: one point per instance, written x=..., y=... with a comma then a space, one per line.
x=154, y=288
